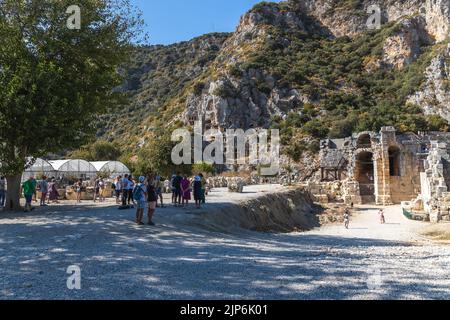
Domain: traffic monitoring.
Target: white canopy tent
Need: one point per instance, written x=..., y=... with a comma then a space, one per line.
x=115, y=168
x=40, y=168
x=73, y=168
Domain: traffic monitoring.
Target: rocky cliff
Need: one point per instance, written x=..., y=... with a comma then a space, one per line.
x=349, y=18
x=311, y=68
x=156, y=75
x=434, y=96
x=250, y=97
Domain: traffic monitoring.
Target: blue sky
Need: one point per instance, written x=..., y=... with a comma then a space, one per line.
x=170, y=21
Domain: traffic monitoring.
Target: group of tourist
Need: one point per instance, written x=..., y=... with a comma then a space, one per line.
x=127, y=191
x=149, y=189
x=47, y=187
x=182, y=187
x=123, y=189
x=99, y=190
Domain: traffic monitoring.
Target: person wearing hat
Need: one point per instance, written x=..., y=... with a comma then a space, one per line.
x=140, y=196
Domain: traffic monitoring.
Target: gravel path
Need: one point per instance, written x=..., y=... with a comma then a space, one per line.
x=120, y=260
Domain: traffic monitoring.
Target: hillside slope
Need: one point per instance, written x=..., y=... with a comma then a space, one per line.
x=156, y=75
x=311, y=68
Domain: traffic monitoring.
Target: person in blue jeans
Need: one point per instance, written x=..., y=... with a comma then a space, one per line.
x=2, y=191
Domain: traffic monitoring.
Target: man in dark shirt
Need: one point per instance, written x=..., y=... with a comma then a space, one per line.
x=177, y=186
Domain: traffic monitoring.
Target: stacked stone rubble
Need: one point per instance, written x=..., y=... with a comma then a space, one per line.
x=435, y=193
x=434, y=170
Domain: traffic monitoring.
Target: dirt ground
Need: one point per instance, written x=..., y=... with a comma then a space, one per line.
x=178, y=259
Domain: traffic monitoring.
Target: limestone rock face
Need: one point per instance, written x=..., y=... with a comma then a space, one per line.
x=434, y=97
x=403, y=48
x=251, y=98
x=338, y=21
x=250, y=23
x=437, y=15
x=341, y=21
x=227, y=103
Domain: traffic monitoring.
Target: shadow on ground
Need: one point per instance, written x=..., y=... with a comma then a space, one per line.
x=120, y=260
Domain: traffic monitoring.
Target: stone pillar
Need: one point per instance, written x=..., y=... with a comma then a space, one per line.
x=378, y=176
x=434, y=187
x=382, y=172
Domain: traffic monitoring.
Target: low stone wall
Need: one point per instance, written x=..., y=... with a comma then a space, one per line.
x=223, y=182
x=288, y=211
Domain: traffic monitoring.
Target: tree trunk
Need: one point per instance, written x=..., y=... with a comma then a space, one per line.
x=13, y=193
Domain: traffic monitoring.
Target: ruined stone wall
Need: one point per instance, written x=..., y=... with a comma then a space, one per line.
x=398, y=161
x=435, y=194
x=406, y=186
x=397, y=168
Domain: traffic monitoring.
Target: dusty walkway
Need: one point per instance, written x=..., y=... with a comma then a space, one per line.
x=119, y=260
x=365, y=223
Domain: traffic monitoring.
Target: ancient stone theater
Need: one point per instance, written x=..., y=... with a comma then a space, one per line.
x=389, y=168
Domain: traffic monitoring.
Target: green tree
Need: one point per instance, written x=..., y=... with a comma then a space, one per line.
x=436, y=123
x=56, y=80
x=203, y=167
x=98, y=151
x=104, y=151
x=82, y=153
x=155, y=156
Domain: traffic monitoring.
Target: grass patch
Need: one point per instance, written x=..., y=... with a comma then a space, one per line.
x=440, y=232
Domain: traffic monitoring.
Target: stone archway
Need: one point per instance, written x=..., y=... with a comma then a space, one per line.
x=365, y=175
x=364, y=141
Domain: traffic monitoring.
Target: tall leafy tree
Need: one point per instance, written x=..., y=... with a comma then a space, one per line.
x=55, y=78
x=100, y=150
x=155, y=156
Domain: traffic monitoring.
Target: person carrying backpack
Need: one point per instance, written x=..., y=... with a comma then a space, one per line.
x=140, y=197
